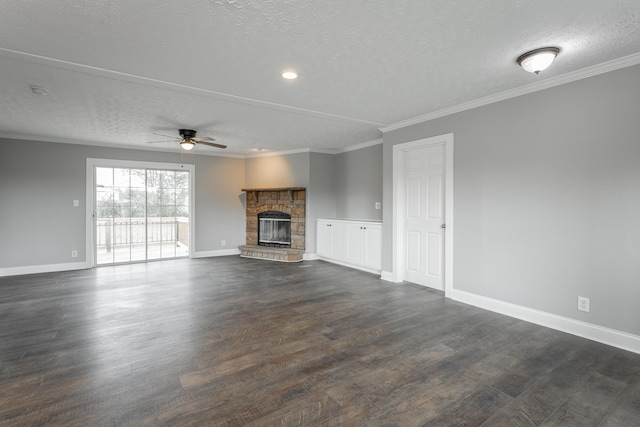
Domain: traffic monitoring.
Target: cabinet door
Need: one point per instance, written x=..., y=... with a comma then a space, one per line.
x=323, y=239
x=355, y=244
x=373, y=247
x=339, y=241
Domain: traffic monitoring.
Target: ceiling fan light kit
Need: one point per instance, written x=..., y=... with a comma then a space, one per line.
x=537, y=60
x=187, y=145
x=188, y=140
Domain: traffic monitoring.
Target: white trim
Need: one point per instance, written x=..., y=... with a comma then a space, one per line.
x=589, y=331
x=323, y=150
x=360, y=146
x=345, y=264
x=47, y=268
x=616, y=64
x=310, y=257
x=92, y=163
x=387, y=276
x=287, y=152
x=90, y=229
x=138, y=164
x=313, y=150
x=168, y=149
x=276, y=153
x=399, y=205
x=215, y=253
x=148, y=147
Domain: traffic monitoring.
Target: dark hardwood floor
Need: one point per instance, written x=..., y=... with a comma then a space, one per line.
x=231, y=341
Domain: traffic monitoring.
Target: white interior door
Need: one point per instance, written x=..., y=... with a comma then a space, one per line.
x=424, y=216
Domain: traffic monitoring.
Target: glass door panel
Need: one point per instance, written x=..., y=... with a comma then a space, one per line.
x=141, y=214
x=104, y=215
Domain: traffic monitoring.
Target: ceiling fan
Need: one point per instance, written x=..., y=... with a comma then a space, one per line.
x=188, y=139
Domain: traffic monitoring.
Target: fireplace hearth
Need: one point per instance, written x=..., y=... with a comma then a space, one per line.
x=275, y=223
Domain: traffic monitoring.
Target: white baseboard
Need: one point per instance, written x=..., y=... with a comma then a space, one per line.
x=387, y=276
x=48, y=268
x=590, y=331
x=357, y=267
x=220, y=252
x=310, y=257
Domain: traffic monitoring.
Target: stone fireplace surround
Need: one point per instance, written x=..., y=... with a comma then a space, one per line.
x=290, y=200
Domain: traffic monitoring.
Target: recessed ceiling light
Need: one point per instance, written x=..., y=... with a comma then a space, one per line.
x=289, y=75
x=538, y=60
x=39, y=91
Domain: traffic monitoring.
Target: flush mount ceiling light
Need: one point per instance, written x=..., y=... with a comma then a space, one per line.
x=538, y=60
x=187, y=144
x=289, y=75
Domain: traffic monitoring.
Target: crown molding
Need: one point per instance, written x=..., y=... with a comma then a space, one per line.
x=58, y=140
x=316, y=150
x=361, y=145
x=276, y=153
x=605, y=67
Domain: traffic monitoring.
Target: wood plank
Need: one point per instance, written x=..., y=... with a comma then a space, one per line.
x=233, y=341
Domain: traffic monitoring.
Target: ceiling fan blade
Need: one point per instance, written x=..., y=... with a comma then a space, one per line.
x=202, y=139
x=210, y=144
x=166, y=136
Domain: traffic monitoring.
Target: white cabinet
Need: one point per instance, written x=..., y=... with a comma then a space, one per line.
x=373, y=247
x=331, y=239
x=353, y=243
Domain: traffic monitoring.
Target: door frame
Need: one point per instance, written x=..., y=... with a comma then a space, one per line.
x=399, y=206
x=92, y=163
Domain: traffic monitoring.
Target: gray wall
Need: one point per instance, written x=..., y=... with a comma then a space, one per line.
x=322, y=189
x=291, y=170
x=547, y=198
x=359, y=173
x=351, y=180
x=39, y=181
x=314, y=171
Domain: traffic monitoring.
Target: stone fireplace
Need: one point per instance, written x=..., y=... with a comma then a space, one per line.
x=275, y=223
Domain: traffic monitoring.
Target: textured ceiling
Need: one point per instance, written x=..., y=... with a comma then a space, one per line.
x=118, y=71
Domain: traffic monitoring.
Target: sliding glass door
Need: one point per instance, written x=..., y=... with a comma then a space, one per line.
x=141, y=214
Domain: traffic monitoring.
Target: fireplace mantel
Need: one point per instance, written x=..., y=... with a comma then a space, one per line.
x=288, y=190
x=274, y=189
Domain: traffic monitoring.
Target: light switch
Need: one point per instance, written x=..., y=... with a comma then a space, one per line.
x=76, y=203
x=377, y=205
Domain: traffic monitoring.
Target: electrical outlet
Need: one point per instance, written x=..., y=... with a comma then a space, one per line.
x=377, y=205
x=74, y=254
x=223, y=243
x=583, y=304
x=76, y=203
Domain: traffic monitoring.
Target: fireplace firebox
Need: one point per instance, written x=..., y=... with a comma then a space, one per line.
x=274, y=229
